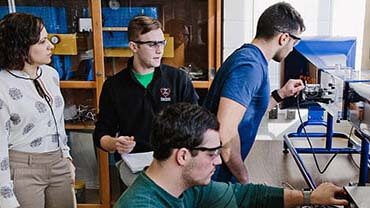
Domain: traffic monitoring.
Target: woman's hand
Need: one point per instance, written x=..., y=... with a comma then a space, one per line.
x=73, y=170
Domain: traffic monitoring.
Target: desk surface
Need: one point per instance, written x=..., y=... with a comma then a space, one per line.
x=268, y=164
x=359, y=195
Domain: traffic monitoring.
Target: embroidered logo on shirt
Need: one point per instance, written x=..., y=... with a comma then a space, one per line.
x=165, y=94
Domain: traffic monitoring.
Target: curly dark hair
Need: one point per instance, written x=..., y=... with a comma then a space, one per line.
x=280, y=17
x=140, y=25
x=18, y=31
x=180, y=125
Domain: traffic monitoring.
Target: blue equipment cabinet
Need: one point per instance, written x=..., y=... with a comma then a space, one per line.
x=120, y=18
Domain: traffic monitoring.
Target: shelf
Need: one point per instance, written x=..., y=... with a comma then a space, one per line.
x=201, y=84
x=80, y=126
x=78, y=84
x=89, y=205
x=92, y=199
x=115, y=29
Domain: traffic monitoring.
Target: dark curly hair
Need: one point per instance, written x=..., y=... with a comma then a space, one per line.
x=280, y=17
x=180, y=125
x=18, y=31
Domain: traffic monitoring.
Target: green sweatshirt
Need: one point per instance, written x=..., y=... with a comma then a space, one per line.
x=145, y=193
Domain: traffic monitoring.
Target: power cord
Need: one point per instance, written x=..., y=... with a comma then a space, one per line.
x=353, y=161
x=351, y=155
x=311, y=146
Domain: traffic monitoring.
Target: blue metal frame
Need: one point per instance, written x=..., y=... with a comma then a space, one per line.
x=310, y=182
x=364, y=161
x=353, y=147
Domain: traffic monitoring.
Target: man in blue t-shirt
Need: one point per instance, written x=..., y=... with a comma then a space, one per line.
x=240, y=92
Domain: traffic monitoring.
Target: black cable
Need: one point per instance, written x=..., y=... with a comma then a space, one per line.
x=309, y=142
x=350, y=132
x=353, y=161
x=351, y=155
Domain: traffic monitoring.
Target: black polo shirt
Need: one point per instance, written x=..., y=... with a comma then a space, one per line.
x=126, y=108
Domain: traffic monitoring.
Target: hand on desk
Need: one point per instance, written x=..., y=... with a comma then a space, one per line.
x=125, y=144
x=326, y=194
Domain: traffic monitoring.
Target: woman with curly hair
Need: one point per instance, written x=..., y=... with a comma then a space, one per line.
x=36, y=169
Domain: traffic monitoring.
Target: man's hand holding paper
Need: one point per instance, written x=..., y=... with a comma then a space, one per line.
x=125, y=144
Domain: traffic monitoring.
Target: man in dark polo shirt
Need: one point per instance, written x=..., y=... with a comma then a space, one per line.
x=130, y=98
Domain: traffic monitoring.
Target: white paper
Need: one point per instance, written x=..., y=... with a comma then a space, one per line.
x=138, y=161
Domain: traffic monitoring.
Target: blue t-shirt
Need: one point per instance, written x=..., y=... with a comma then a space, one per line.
x=243, y=77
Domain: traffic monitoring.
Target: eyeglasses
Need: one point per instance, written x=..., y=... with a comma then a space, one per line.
x=152, y=44
x=214, y=152
x=296, y=39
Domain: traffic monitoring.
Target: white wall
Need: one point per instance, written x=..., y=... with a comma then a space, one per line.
x=366, y=39
x=238, y=24
x=321, y=17
x=309, y=9
x=348, y=20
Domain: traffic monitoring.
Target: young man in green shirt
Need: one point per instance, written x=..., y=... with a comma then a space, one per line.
x=187, y=145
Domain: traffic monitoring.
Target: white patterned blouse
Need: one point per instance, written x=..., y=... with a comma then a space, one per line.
x=27, y=123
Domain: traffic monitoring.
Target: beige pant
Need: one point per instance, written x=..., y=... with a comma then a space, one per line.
x=42, y=180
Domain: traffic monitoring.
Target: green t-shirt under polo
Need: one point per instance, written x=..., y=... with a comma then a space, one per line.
x=144, y=79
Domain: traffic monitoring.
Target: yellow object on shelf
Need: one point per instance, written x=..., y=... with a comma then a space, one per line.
x=117, y=52
x=79, y=184
x=126, y=52
x=80, y=191
x=65, y=44
x=169, y=49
